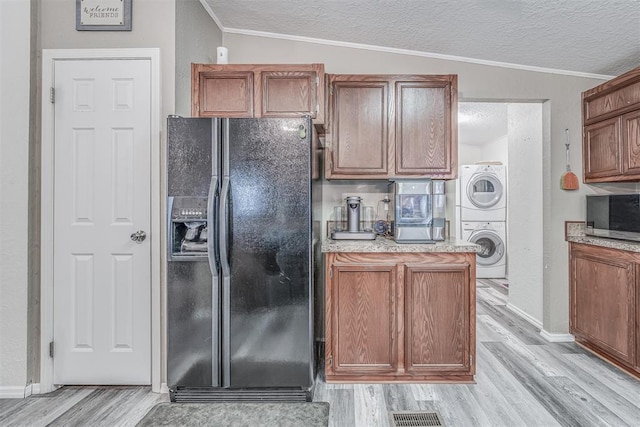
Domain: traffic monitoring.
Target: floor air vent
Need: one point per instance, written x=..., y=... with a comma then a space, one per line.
x=416, y=419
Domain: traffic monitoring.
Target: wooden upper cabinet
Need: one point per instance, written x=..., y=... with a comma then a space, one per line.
x=360, y=126
x=423, y=123
x=385, y=126
x=616, y=96
x=224, y=94
x=611, y=135
x=602, y=149
x=288, y=93
x=631, y=143
x=270, y=90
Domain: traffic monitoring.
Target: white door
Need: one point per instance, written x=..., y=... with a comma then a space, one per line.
x=102, y=192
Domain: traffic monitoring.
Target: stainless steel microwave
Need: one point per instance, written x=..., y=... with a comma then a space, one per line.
x=616, y=216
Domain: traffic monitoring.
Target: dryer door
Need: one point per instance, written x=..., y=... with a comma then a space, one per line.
x=484, y=190
x=492, y=247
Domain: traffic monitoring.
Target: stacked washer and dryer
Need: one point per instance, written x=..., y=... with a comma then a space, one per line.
x=481, y=200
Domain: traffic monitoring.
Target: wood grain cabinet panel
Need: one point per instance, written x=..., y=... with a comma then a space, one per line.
x=602, y=148
x=225, y=94
x=423, y=128
x=631, y=143
x=437, y=327
x=611, y=131
x=258, y=90
x=287, y=94
x=386, y=126
x=364, y=298
x=614, y=98
x=603, y=301
x=406, y=317
x=360, y=123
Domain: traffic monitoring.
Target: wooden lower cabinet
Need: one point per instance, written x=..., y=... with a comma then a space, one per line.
x=603, y=302
x=400, y=317
x=436, y=319
x=364, y=315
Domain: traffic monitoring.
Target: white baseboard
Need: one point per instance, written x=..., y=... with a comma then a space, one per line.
x=553, y=337
x=526, y=316
x=13, y=392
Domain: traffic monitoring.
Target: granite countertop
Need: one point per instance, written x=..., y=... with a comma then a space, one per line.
x=623, y=245
x=575, y=232
x=382, y=244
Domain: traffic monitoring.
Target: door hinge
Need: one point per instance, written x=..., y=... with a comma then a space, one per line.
x=471, y=359
x=330, y=90
x=52, y=95
x=317, y=108
x=331, y=272
x=331, y=360
x=51, y=349
x=317, y=81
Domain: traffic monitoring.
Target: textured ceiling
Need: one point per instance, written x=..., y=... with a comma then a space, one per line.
x=575, y=36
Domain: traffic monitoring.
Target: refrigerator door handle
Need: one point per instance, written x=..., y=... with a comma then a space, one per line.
x=223, y=227
x=211, y=204
x=226, y=282
x=212, y=253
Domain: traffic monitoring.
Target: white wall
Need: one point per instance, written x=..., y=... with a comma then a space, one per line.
x=487, y=151
x=197, y=37
x=481, y=82
x=153, y=25
x=14, y=185
x=525, y=209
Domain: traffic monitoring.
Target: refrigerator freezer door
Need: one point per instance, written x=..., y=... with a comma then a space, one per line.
x=192, y=287
x=269, y=329
x=189, y=156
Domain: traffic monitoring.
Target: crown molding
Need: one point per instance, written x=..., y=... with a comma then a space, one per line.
x=408, y=52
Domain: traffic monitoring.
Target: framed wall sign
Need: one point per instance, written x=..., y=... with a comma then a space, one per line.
x=103, y=15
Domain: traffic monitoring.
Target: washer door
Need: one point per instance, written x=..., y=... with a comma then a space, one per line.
x=484, y=190
x=492, y=247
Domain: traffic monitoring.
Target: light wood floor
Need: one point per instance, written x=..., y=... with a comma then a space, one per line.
x=522, y=380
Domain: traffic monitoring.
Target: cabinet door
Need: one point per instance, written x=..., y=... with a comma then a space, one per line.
x=289, y=94
x=425, y=135
x=363, y=320
x=603, y=300
x=437, y=319
x=359, y=136
x=222, y=94
x=602, y=149
x=631, y=143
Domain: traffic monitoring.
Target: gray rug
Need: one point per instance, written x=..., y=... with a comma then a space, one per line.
x=314, y=414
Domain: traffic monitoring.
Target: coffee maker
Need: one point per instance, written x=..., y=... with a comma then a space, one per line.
x=354, y=229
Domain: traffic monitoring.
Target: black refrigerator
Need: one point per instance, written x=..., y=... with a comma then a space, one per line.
x=240, y=259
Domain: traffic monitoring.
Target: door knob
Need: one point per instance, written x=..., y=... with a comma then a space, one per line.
x=138, y=236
